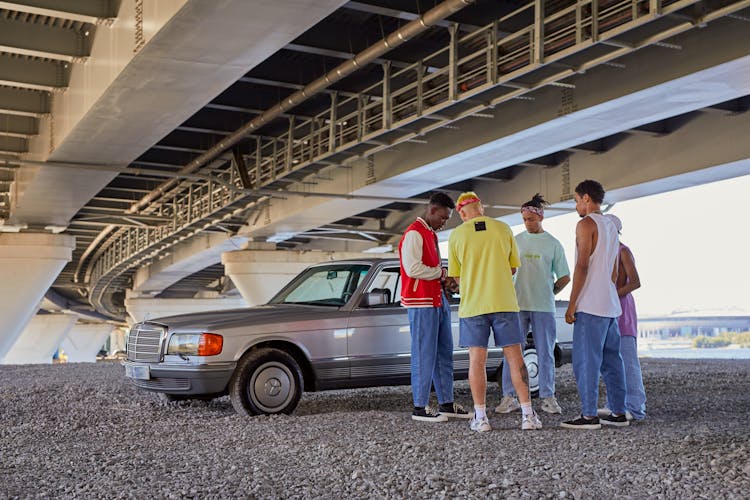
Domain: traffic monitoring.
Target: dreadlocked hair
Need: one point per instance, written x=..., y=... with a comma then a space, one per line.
x=537, y=201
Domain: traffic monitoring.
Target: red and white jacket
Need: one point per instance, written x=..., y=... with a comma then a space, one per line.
x=420, y=266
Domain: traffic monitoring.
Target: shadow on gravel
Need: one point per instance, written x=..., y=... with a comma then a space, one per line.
x=387, y=399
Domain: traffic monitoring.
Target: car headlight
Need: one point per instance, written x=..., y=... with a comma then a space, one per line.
x=195, y=344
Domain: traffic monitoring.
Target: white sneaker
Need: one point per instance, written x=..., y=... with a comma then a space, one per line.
x=508, y=404
x=605, y=412
x=482, y=425
x=550, y=405
x=531, y=422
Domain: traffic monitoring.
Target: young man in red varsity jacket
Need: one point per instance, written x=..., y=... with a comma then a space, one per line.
x=429, y=313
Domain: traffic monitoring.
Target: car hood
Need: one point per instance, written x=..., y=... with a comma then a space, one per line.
x=248, y=316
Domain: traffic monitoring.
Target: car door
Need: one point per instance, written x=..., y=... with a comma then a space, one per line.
x=379, y=338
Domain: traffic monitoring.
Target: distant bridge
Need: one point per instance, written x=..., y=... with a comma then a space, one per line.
x=673, y=326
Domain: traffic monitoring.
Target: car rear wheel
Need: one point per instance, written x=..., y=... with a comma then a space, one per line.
x=532, y=366
x=267, y=381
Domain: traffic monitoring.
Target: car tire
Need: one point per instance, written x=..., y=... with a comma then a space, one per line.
x=169, y=398
x=532, y=366
x=267, y=381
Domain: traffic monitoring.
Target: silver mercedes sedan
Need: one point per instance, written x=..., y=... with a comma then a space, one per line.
x=337, y=325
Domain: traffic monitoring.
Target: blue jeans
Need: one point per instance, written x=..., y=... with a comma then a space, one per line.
x=431, y=353
x=596, y=348
x=635, y=394
x=544, y=332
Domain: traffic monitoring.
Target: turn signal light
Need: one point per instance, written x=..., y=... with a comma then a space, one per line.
x=210, y=344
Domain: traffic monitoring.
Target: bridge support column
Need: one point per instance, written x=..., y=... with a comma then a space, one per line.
x=117, y=340
x=29, y=264
x=145, y=307
x=258, y=273
x=84, y=342
x=40, y=339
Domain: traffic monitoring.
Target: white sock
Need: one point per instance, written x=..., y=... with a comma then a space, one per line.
x=480, y=411
x=527, y=409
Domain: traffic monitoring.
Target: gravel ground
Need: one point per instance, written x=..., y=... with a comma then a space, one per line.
x=81, y=431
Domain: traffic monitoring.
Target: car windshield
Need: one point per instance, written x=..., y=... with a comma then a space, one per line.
x=327, y=285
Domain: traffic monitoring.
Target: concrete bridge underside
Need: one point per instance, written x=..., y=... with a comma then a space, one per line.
x=669, y=112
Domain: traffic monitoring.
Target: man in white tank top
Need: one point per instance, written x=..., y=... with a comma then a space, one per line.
x=593, y=311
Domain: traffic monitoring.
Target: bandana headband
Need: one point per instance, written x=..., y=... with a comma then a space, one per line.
x=465, y=202
x=533, y=210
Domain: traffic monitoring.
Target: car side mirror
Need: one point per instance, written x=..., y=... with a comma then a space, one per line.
x=374, y=298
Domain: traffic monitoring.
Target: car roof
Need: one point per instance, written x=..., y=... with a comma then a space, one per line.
x=366, y=260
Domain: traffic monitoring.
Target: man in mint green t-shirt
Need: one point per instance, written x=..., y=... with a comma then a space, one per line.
x=543, y=273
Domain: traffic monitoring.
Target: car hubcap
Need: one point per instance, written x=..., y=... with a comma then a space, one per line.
x=272, y=386
x=532, y=367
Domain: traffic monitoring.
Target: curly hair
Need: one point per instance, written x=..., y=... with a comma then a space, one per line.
x=591, y=188
x=441, y=199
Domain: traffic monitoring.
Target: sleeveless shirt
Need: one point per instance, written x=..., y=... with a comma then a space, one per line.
x=599, y=293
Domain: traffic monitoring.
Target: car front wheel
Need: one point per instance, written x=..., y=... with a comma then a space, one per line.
x=267, y=381
x=532, y=367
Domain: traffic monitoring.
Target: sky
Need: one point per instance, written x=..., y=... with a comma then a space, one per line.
x=691, y=247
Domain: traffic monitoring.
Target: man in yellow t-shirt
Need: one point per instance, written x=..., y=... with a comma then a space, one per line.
x=483, y=257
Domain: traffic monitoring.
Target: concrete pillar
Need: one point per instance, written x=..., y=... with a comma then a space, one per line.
x=258, y=274
x=84, y=342
x=40, y=339
x=29, y=264
x=117, y=340
x=141, y=308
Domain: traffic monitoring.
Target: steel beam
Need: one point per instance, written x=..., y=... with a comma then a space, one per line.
x=85, y=11
x=179, y=149
x=339, y=54
x=199, y=130
x=18, y=126
x=48, y=41
x=12, y=144
x=24, y=102
x=240, y=109
x=33, y=73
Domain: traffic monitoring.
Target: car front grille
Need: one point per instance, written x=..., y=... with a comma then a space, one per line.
x=145, y=342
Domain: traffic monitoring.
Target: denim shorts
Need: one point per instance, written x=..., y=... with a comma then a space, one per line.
x=475, y=330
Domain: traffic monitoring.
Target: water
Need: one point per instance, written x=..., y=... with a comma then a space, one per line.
x=693, y=353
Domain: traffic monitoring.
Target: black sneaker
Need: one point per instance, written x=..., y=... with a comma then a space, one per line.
x=427, y=415
x=617, y=421
x=454, y=410
x=582, y=423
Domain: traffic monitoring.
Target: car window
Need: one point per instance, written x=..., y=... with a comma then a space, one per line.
x=323, y=285
x=388, y=280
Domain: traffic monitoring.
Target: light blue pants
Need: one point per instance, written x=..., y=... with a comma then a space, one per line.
x=431, y=353
x=635, y=394
x=596, y=348
x=544, y=332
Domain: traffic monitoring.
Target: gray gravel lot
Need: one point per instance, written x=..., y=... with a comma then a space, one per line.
x=81, y=431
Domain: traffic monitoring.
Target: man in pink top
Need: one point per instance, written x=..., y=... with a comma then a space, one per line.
x=627, y=281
